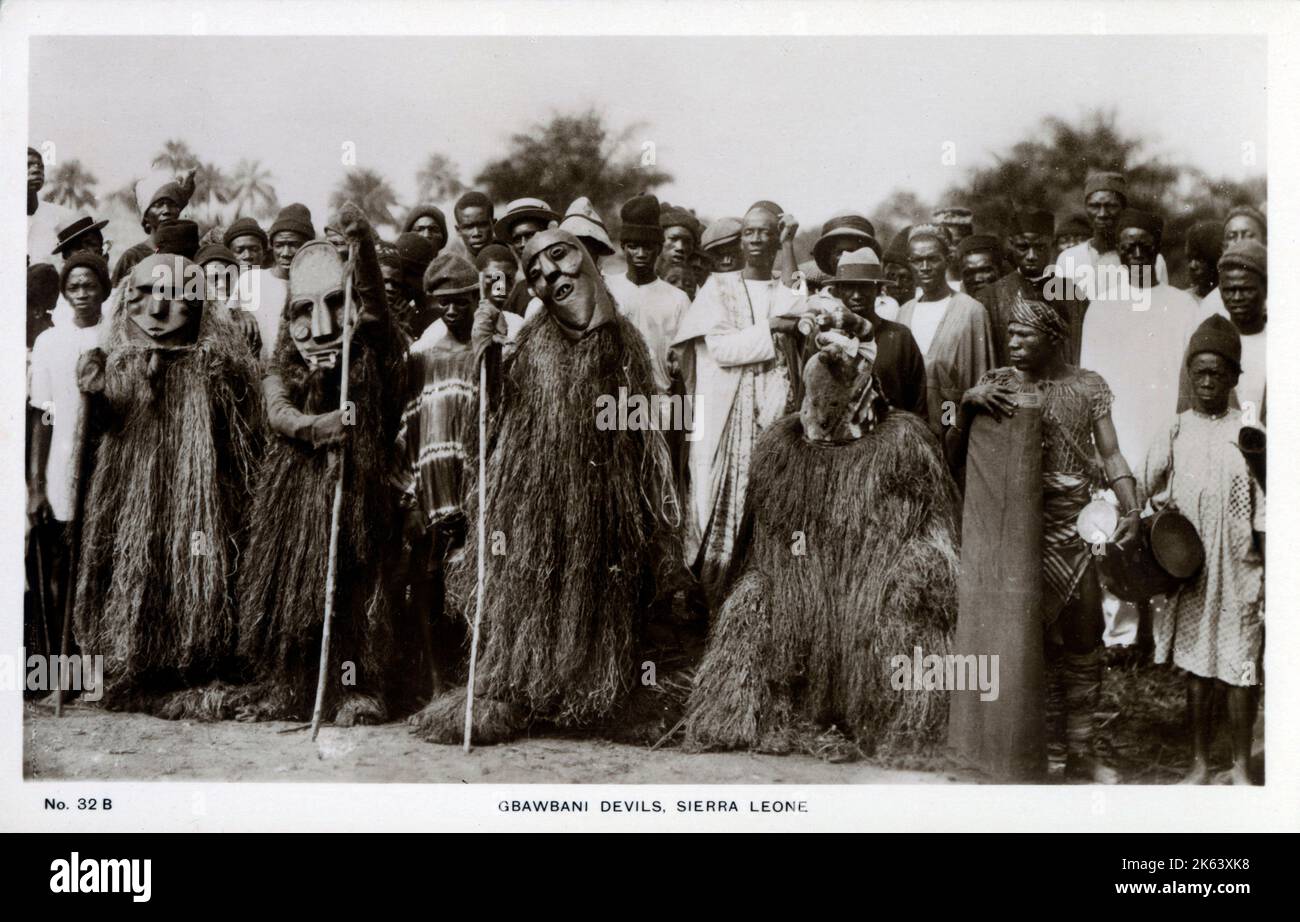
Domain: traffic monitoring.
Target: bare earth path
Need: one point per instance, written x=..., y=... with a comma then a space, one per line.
x=88, y=743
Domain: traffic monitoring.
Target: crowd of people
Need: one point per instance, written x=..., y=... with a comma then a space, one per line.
x=953, y=443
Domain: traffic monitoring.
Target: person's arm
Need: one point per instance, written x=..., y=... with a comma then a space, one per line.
x=1119, y=478
x=37, y=497
x=997, y=400
x=317, y=430
x=742, y=347
x=367, y=278
x=789, y=226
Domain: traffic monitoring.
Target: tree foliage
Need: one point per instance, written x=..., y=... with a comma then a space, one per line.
x=569, y=156
x=72, y=186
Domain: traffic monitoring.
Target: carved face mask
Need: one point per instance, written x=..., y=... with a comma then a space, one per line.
x=164, y=300
x=562, y=274
x=316, y=300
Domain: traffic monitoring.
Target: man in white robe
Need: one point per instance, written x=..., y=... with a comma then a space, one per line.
x=1094, y=266
x=739, y=362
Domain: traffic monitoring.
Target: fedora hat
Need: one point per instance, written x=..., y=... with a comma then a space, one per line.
x=858, y=267
x=73, y=230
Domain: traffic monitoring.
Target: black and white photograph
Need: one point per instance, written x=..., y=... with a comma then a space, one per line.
x=827, y=401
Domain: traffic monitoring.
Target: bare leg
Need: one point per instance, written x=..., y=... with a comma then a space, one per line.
x=1200, y=700
x=1241, y=721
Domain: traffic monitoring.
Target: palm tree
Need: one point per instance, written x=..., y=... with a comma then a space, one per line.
x=70, y=186
x=438, y=180
x=370, y=192
x=175, y=156
x=249, y=187
x=124, y=197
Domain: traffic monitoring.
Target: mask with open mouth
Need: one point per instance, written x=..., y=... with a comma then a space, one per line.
x=562, y=274
x=164, y=300
x=314, y=313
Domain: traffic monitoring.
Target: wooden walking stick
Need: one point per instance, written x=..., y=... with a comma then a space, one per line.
x=482, y=542
x=81, y=454
x=336, y=512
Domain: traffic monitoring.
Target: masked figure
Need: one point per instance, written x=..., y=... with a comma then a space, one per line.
x=282, y=588
x=580, y=518
x=176, y=410
x=850, y=538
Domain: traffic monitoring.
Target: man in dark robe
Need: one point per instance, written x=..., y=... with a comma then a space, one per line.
x=1029, y=247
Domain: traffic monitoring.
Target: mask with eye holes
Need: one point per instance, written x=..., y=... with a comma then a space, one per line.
x=314, y=314
x=562, y=274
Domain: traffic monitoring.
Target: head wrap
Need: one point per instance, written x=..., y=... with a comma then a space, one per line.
x=1105, y=181
x=426, y=210
x=450, y=274
x=86, y=260
x=640, y=217
x=1216, y=334
x=245, y=227
x=1246, y=254
x=496, y=253
x=1042, y=317
x=160, y=184
x=1205, y=241
x=720, y=233
x=296, y=218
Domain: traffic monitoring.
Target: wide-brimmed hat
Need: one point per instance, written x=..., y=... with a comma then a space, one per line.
x=523, y=209
x=74, y=229
x=858, y=267
x=846, y=224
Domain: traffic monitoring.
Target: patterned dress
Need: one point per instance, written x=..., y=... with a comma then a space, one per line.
x=1071, y=469
x=1214, y=626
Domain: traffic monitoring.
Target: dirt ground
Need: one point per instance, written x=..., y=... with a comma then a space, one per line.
x=91, y=743
x=1141, y=716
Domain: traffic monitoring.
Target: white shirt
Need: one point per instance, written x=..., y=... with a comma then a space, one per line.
x=1092, y=271
x=265, y=296
x=1250, y=386
x=656, y=310
x=926, y=317
x=54, y=390
x=886, y=307
x=42, y=236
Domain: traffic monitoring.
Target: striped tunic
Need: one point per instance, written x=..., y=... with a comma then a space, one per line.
x=439, y=421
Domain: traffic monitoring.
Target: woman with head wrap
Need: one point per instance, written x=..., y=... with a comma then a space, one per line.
x=1029, y=436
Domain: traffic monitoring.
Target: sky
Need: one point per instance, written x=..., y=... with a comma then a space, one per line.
x=818, y=124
